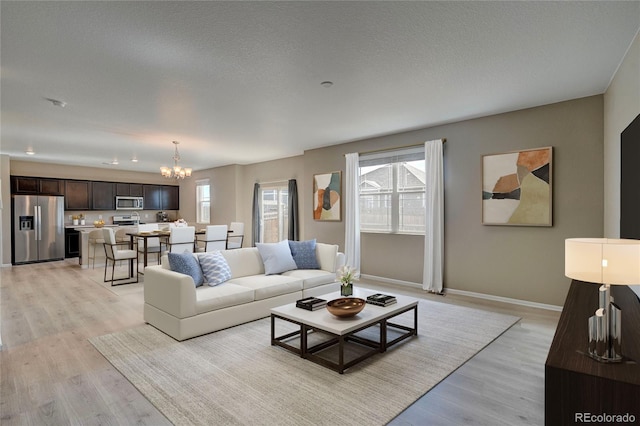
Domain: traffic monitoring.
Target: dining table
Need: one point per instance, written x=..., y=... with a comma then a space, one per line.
x=145, y=235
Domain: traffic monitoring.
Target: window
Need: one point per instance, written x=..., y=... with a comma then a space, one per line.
x=203, y=201
x=274, y=212
x=392, y=192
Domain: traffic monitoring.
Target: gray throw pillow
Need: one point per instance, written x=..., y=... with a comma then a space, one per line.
x=276, y=257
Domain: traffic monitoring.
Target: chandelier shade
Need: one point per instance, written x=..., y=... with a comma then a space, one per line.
x=177, y=171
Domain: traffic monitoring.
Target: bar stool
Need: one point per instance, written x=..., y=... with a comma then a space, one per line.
x=96, y=237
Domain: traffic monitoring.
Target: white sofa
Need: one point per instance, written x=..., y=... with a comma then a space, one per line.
x=174, y=305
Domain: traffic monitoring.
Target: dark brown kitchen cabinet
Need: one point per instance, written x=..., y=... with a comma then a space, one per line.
x=152, y=197
x=170, y=198
x=36, y=185
x=161, y=197
x=129, y=189
x=77, y=195
x=52, y=186
x=103, y=196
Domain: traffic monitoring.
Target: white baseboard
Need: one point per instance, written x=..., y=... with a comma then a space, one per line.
x=469, y=294
x=5, y=265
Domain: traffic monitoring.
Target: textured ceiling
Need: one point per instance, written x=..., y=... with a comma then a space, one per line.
x=239, y=82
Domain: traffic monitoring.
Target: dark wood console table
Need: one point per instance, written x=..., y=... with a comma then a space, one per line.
x=575, y=383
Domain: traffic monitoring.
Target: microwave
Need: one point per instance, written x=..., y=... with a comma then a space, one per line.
x=129, y=203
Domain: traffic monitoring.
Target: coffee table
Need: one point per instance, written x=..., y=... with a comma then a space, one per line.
x=344, y=330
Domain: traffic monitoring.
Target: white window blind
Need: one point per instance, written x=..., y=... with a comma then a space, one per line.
x=392, y=191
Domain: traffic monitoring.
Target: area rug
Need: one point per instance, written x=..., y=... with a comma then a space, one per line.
x=97, y=276
x=235, y=377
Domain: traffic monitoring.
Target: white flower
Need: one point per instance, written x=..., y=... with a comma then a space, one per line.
x=346, y=274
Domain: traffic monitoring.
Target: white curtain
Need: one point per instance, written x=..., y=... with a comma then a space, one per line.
x=352, y=213
x=434, y=232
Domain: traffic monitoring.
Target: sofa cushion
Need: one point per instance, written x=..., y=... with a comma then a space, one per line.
x=304, y=254
x=312, y=277
x=222, y=296
x=214, y=267
x=244, y=261
x=266, y=286
x=276, y=257
x=327, y=254
x=186, y=263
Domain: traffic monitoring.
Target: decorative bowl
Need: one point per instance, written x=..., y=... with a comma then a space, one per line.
x=98, y=223
x=346, y=306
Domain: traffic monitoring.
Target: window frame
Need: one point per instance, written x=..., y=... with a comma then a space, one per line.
x=392, y=193
x=200, y=208
x=282, y=209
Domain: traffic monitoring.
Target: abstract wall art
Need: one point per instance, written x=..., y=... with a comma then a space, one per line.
x=327, y=196
x=517, y=188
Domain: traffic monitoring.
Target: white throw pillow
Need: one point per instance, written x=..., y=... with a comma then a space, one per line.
x=276, y=257
x=214, y=268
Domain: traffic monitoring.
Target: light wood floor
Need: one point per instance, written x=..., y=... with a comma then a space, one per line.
x=51, y=375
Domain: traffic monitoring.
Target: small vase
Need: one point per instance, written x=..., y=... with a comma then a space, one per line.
x=346, y=290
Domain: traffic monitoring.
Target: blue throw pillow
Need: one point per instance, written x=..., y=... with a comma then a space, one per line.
x=276, y=257
x=304, y=254
x=214, y=267
x=186, y=263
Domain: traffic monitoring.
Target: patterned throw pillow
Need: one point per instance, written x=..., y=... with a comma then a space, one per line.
x=214, y=267
x=276, y=257
x=304, y=254
x=186, y=263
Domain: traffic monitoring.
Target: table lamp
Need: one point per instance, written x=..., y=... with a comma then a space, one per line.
x=609, y=262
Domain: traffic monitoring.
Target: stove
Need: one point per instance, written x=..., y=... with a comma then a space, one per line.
x=126, y=219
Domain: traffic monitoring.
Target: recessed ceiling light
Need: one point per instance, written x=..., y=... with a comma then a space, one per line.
x=326, y=84
x=57, y=102
x=30, y=151
x=134, y=160
x=114, y=162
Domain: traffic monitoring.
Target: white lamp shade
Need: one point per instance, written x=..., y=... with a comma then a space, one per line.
x=602, y=260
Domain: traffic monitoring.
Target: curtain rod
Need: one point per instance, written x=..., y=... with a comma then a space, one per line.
x=273, y=181
x=444, y=140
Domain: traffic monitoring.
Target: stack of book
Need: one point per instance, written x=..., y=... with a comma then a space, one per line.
x=311, y=303
x=381, y=299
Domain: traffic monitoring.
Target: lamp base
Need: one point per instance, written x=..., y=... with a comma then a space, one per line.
x=605, y=359
x=605, y=330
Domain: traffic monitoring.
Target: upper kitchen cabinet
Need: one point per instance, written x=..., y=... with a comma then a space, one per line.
x=77, y=195
x=161, y=197
x=129, y=189
x=152, y=197
x=171, y=198
x=103, y=196
x=36, y=186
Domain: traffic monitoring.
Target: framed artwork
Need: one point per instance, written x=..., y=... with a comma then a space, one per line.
x=327, y=196
x=517, y=188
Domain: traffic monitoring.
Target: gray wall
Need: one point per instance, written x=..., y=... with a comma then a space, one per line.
x=516, y=262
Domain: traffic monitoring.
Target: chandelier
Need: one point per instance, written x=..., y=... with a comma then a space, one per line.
x=176, y=172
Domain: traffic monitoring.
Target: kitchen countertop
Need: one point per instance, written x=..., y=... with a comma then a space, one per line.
x=87, y=226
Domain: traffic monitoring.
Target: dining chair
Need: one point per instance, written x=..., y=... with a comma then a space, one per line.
x=215, y=238
x=182, y=239
x=95, y=238
x=151, y=245
x=235, y=236
x=114, y=254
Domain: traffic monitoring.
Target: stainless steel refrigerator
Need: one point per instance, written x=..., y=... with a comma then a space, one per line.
x=38, y=228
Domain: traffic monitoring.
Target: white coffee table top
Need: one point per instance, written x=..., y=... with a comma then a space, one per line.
x=324, y=320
